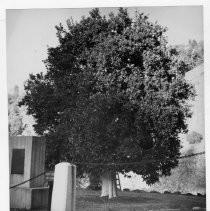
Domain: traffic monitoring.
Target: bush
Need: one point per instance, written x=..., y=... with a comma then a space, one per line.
x=194, y=137
x=189, y=194
x=177, y=192
x=167, y=192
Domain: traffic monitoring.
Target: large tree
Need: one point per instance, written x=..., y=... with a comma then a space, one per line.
x=114, y=92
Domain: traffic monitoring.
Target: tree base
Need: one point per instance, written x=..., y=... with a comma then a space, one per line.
x=109, y=186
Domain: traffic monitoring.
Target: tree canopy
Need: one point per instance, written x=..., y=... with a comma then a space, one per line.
x=114, y=92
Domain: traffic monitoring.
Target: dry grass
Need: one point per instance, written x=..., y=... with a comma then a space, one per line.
x=87, y=200
x=130, y=201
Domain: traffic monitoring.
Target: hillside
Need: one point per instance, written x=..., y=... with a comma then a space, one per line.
x=196, y=123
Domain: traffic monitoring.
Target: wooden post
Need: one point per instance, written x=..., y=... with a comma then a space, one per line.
x=64, y=188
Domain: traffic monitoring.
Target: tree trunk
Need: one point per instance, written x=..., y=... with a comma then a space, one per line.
x=109, y=186
x=94, y=181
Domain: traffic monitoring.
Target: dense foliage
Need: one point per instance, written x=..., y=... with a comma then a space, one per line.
x=113, y=92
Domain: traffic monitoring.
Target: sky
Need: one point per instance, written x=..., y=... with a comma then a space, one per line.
x=30, y=31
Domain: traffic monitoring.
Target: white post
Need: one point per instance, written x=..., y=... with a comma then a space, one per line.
x=64, y=188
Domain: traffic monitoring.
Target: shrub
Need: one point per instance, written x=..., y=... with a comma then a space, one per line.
x=194, y=137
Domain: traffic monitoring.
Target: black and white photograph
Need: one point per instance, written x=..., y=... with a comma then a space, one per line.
x=106, y=108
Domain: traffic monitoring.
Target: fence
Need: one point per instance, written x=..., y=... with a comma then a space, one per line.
x=89, y=199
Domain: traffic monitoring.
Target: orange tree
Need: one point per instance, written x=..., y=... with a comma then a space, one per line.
x=114, y=92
